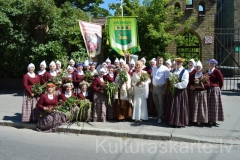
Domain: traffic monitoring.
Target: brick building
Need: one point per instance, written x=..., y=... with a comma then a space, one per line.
x=204, y=11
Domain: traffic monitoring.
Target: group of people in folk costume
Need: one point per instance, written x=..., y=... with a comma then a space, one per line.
x=195, y=95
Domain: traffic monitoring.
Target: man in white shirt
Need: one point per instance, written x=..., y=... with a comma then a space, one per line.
x=160, y=75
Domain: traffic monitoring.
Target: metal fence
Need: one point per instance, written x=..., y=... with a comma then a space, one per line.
x=227, y=53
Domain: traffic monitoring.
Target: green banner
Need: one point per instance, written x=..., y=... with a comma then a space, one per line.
x=123, y=35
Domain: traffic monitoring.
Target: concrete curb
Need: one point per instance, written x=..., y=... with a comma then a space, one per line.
x=73, y=128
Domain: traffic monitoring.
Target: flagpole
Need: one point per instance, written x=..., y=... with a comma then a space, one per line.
x=122, y=7
x=122, y=16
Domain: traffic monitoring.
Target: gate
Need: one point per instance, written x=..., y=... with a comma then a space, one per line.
x=189, y=47
x=227, y=53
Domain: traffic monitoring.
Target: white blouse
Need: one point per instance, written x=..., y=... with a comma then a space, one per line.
x=85, y=94
x=80, y=72
x=190, y=70
x=41, y=72
x=68, y=94
x=185, y=78
x=101, y=79
x=198, y=75
x=210, y=71
x=50, y=96
x=54, y=73
x=32, y=75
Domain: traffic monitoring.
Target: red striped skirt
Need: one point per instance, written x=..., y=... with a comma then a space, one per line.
x=214, y=101
x=178, y=108
x=199, y=108
x=29, y=108
x=49, y=122
x=99, y=107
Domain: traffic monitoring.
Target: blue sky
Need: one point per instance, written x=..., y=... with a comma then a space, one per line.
x=106, y=2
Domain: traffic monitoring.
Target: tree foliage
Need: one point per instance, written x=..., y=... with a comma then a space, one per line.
x=37, y=30
x=156, y=21
x=89, y=6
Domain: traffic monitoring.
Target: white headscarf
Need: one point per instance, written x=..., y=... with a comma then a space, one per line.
x=72, y=61
x=52, y=64
x=30, y=65
x=58, y=62
x=169, y=62
x=43, y=63
x=122, y=61
x=143, y=59
x=116, y=60
x=199, y=63
x=108, y=60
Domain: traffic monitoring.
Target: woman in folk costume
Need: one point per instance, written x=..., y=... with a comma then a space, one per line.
x=110, y=75
x=70, y=70
x=178, y=106
x=78, y=76
x=121, y=63
x=52, y=67
x=116, y=63
x=50, y=119
x=123, y=99
x=198, y=95
x=68, y=87
x=58, y=66
x=131, y=67
x=29, y=110
x=67, y=93
x=144, y=67
x=191, y=69
x=214, y=100
x=72, y=64
x=105, y=67
x=84, y=94
x=169, y=65
x=108, y=62
x=140, y=92
x=110, y=78
x=86, y=66
x=99, y=98
x=93, y=70
x=43, y=74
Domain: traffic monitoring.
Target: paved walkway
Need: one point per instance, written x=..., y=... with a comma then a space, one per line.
x=227, y=132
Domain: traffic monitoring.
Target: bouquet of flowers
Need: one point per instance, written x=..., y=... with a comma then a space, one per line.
x=38, y=89
x=173, y=80
x=95, y=75
x=123, y=76
x=67, y=80
x=57, y=80
x=109, y=88
x=200, y=81
x=144, y=77
x=88, y=77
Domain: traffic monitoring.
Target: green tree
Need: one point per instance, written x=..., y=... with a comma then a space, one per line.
x=89, y=6
x=37, y=30
x=156, y=21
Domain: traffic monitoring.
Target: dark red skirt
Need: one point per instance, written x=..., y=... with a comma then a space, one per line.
x=177, y=112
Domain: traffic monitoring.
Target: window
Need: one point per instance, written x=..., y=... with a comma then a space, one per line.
x=189, y=3
x=201, y=9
